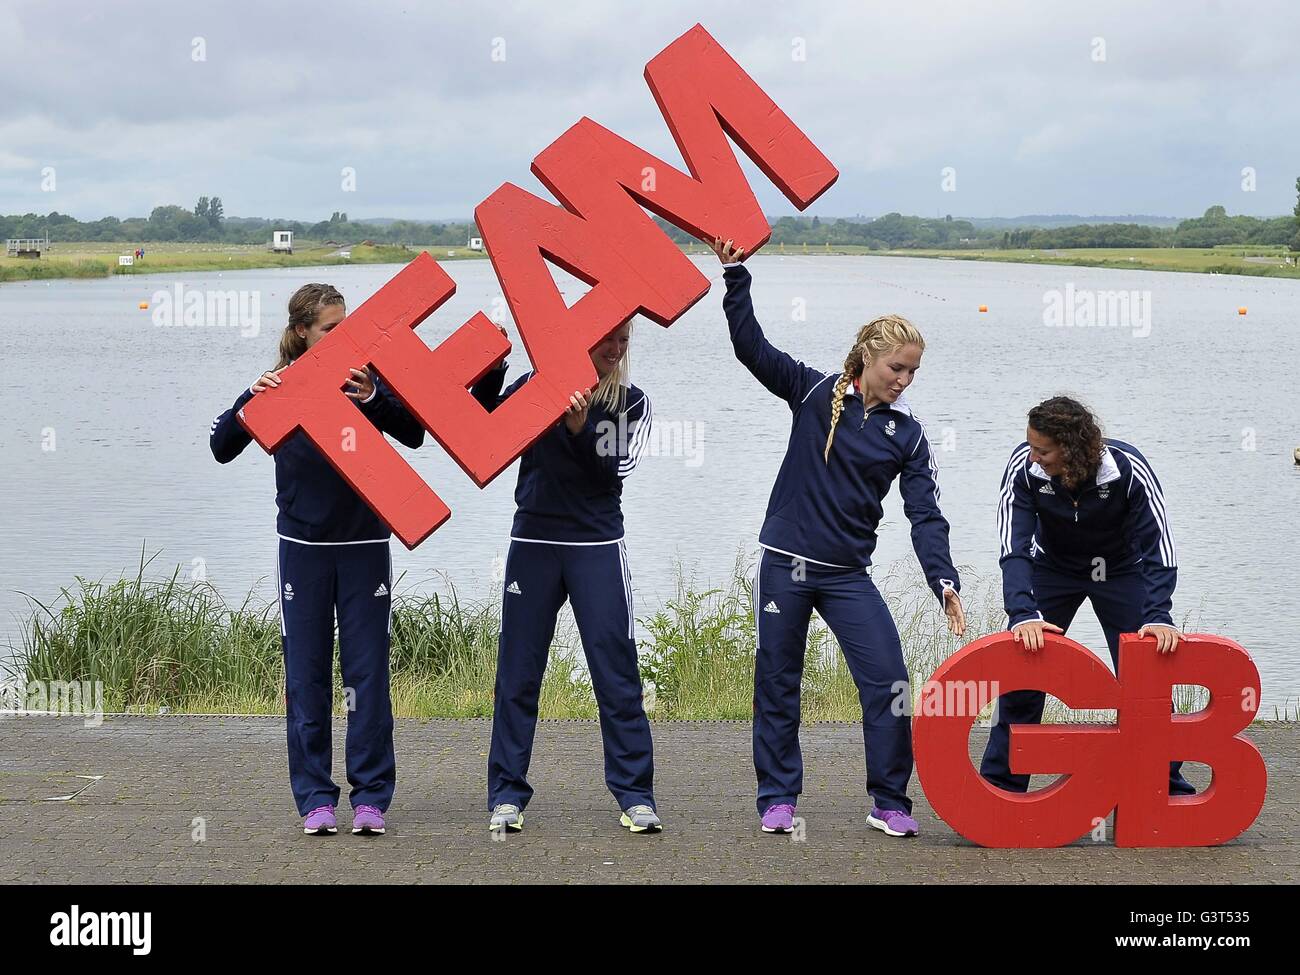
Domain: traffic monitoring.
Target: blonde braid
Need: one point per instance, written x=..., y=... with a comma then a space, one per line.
x=837, y=407
x=878, y=337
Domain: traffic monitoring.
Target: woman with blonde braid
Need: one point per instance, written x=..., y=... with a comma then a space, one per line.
x=852, y=435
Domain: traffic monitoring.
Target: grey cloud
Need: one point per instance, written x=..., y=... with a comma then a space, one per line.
x=408, y=94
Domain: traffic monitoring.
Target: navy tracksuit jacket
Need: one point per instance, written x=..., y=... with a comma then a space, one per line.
x=818, y=538
x=333, y=556
x=1107, y=541
x=567, y=543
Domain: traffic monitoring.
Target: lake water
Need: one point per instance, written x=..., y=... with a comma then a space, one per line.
x=1208, y=395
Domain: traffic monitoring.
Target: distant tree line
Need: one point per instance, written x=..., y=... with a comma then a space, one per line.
x=1213, y=229
x=207, y=223
x=895, y=231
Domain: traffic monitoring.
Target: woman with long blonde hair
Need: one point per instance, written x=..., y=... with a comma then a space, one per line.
x=567, y=544
x=852, y=436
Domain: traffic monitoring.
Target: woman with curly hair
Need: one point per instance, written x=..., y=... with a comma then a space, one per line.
x=1080, y=517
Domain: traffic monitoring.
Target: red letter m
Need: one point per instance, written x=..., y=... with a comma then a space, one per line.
x=599, y=233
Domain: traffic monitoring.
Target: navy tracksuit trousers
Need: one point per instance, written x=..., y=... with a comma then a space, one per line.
x=540, y=576
x=356, y=580
x=786, y=591
x=1117, y=601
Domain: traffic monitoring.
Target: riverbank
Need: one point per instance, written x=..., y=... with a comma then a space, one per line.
x=100, y=260
x=93, y=260
x=1250, y=260
x=172, y=645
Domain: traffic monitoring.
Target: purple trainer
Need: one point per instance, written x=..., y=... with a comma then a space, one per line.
x=320, y=822
x=778, y=818
x=367, y=821
x=893, y=822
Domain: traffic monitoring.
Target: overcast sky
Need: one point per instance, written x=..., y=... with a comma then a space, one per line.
x=1011, y=95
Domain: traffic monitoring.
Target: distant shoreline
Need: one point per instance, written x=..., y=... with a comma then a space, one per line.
x=100, y=260
x=96, y=260
x=1244, y=261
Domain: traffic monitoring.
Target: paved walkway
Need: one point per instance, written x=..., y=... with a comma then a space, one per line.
x=162, y=774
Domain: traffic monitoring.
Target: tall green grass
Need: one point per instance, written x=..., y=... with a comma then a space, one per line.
x=700, y=655
x=170, y=642
x=444, y=656
x=173, y=643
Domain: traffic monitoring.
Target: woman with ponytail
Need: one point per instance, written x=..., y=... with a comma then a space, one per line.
x=852, y=435
x=566, y=543
x=1080, y=517
x=333, y=557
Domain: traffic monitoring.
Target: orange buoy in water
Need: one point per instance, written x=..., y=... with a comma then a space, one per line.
x=144, y=306
x=1241, y=310
x=984, y=307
